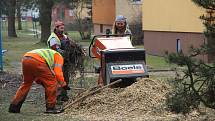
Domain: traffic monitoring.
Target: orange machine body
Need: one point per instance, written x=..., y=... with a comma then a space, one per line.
x=111, y=43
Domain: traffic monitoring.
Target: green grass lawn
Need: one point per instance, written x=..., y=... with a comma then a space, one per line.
x=16, y=47
x=157, y=62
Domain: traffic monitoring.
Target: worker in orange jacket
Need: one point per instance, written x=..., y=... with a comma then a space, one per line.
x=44, y=66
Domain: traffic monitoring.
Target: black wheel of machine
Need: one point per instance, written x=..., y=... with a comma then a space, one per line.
x=147, y=76
x=124, y=83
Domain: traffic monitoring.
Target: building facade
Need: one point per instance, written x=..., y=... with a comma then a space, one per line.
x=64, y=13
x=172, y=26
x=61, y=12
x=105, y=11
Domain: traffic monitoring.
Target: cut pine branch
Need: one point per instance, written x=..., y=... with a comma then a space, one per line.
x=91, y=93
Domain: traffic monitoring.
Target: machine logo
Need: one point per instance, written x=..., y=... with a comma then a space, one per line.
x=127, y=69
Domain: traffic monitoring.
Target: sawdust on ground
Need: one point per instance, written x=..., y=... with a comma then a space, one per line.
x=142, y=101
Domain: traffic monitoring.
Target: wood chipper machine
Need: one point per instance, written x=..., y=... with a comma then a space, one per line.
x=118, y=59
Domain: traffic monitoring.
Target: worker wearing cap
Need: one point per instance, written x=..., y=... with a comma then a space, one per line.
x=57, y=40
x=120, y=26
x=44, y=66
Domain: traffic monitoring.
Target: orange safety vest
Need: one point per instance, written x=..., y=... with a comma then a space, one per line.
x=54, y=61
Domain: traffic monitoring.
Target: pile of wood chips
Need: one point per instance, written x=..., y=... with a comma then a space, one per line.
x=144, y=98
x=142, y=101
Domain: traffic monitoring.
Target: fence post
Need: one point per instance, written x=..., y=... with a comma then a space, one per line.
x=1, y=54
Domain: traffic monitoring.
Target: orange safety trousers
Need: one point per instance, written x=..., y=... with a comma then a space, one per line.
x=34, y=70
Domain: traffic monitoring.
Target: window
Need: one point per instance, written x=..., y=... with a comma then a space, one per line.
x=23, y=18
x=3, y=18
x=62, y=13
x=178, y=45
x=71, y=12
x=101, y=28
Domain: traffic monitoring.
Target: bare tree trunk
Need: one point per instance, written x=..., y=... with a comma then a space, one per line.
x=80, y=5
x=45, y=18
x=19, y=16
x=11, y=18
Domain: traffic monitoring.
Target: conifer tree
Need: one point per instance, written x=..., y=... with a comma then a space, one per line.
x=197, y=83
x=209, y=22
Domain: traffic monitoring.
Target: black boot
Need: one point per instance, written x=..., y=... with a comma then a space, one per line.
x=53, y=110
x=14, y=108
x=65, y=98
x=62, y=96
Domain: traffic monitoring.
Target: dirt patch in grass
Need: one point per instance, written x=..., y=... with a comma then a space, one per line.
x=10, y=81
